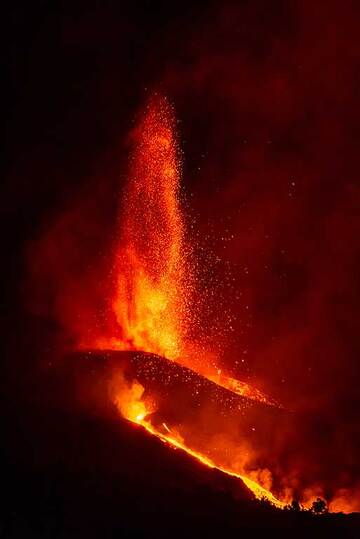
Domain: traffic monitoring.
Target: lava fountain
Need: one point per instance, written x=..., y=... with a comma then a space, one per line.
x=153, y=268
x=153, y=301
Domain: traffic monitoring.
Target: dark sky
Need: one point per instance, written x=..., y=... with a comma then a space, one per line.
x=267, y=98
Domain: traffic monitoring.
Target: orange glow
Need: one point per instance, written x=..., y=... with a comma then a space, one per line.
x=345, y=502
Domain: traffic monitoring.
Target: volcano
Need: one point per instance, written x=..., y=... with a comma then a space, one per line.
x=149, y=347
x=75, y=468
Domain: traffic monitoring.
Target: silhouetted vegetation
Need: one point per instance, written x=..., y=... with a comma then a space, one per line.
x=319, y=506
x=295, y=506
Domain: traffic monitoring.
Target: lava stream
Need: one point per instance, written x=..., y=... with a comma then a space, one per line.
x=134, y=409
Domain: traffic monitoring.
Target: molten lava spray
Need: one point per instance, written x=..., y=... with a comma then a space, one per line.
x=152, y=263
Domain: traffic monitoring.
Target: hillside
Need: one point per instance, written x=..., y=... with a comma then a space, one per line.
x=72, y=472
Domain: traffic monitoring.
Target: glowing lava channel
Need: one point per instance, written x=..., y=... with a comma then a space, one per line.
x=171, y=439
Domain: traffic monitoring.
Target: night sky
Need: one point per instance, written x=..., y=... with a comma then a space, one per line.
x=266, y=94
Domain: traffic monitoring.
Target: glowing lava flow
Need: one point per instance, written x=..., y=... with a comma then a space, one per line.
x=172, y=439
x=133, y=408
